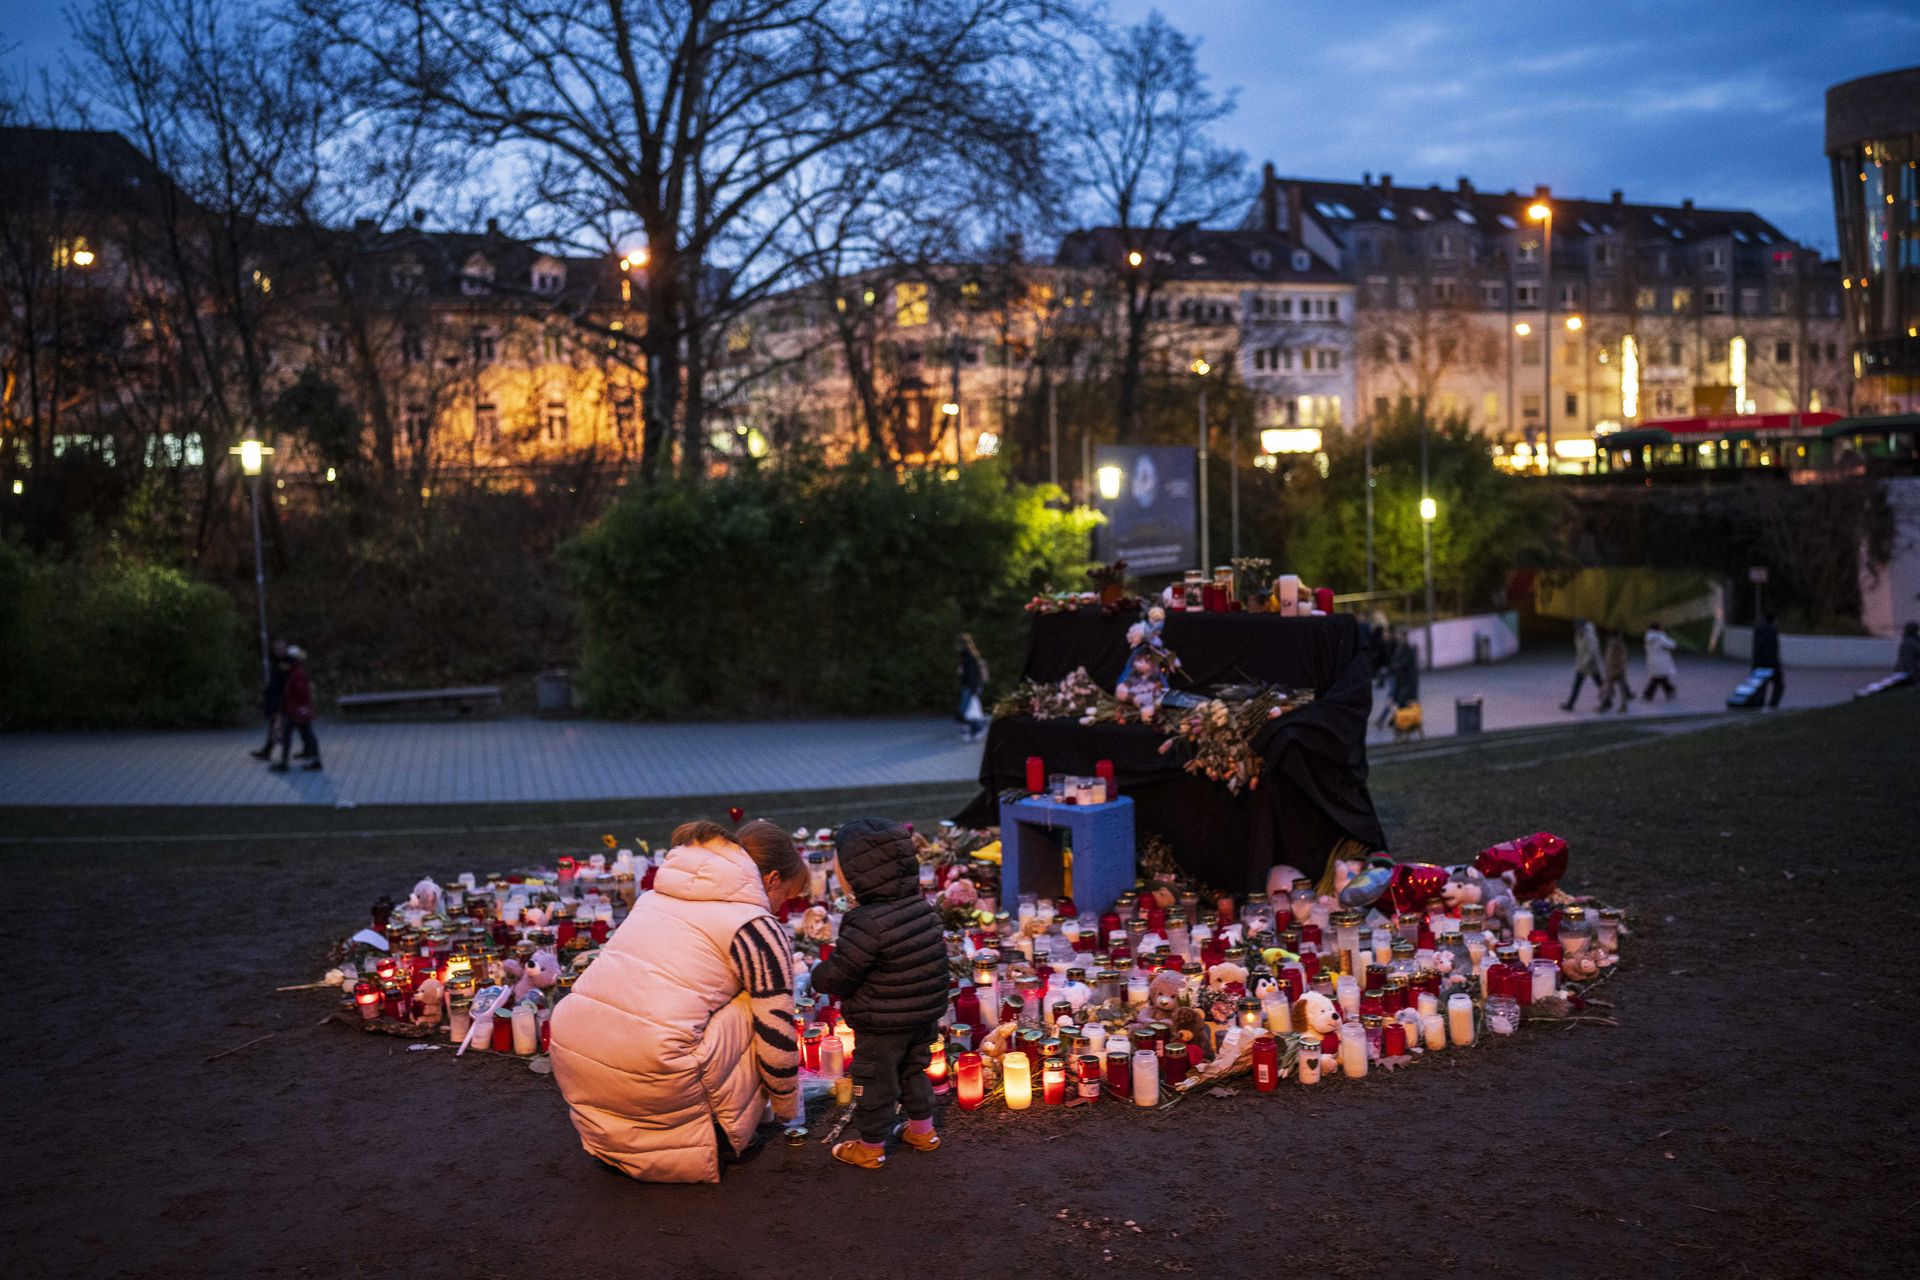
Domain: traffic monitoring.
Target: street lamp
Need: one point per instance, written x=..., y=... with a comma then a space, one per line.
x=1200, y=368
x=1428, y=510
x=252, y=460
x=1109, y=480
x=1134, y=258
x=1542, y=212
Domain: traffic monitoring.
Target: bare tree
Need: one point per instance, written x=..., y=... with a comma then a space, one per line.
x=699, y=126
x=1138, y=115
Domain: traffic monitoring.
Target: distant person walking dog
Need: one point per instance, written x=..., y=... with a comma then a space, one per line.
x=296, y=711
x=1660, y=665
x=1766, y=657
x=270, y=696
x=1613, y=662
x=1586, y=660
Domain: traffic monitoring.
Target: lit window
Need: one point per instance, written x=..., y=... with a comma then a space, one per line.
x=486, y=421
x=555, y=420
x=910, y=306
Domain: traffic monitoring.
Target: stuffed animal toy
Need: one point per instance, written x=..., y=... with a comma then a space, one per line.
x=1314, y=1012
x=1466, y=886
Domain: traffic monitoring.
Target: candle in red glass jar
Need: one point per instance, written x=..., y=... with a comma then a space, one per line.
x=970, y=1078
x=1174, y=1061
x=502, y=1028
x=1036, y=775
x=1053, y=1081
x=1310, y=935
x=810, y=1045
x=1393, y=1041
x=966, y=1005
x=563, y=934
x=565, y=867
x=1266, y=1062
x=367, y=997
x=1323, y=599
x=1104, y=769
x=1086, y=1077
x=1120, y=1073
x=601, y=929
x=1225, y=904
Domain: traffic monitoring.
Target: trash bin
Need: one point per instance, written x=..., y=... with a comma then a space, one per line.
x=1466, y=715
x=553, y=693
x=1482, y=648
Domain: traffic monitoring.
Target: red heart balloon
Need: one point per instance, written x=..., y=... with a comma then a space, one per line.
x=736, y=813
x=1413, y=884
x=1537, y=862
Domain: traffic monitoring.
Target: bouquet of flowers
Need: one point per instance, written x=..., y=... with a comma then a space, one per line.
x=1220, y=732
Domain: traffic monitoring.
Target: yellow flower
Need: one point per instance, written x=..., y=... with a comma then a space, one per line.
x=609, y=840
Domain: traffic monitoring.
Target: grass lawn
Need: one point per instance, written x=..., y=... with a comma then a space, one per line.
x=1751, y=1115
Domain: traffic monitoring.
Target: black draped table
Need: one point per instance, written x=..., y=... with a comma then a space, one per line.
x=1312, y=795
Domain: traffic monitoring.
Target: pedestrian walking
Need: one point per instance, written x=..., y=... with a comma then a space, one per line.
x=1660, y=666
x=296, y=711
x=1379, y=644
x=1586, y=659
x=1766, y=657
x=1403, y=679
x=270, y=695
x=972, y=669
x=1613, y=662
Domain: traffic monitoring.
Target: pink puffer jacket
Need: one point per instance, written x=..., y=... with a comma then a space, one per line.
x=655, y=1044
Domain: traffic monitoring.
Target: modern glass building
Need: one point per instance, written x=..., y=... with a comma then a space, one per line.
x=1873, y=144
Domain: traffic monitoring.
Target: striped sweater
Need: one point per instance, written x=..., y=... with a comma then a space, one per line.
x=763, y=957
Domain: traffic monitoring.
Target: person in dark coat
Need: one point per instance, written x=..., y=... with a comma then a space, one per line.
x=973, y=688
x=1403, y=679
x=270, y=695
x=1908, y=663
x=1766, y=656
x=889, y=970
x=296, y=711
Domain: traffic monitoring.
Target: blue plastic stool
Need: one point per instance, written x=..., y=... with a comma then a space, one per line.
x=1031, y=844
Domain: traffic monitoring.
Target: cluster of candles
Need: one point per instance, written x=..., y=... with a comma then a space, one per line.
x=1061, y=999
x=1195, y=593
x=470, y=952
x=1067, y=788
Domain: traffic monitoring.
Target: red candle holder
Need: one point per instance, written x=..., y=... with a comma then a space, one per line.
x=1266, y=1062
x=1120, y=1073
x=367, y=997
x=502, y=1029
x=1393, y=1041
x=970, y=1079
x=1036, y=775
x=1053, y=1082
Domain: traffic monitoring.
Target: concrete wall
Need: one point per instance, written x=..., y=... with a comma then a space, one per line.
x=1453, y=638
x=1864, y=653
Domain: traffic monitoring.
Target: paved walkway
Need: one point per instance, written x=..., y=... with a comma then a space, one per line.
x=1529, y=690
x=513, y=761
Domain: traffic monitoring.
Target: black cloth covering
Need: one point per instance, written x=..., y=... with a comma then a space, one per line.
x=1312, y=792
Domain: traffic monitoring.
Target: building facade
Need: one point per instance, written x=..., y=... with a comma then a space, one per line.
x=1873, y=147
x=1642, y=311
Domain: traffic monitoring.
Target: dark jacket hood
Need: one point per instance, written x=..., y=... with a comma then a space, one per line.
x=878, y=860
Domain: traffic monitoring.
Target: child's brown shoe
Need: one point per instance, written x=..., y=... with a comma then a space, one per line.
x=860, y=1155
x=928, y=1141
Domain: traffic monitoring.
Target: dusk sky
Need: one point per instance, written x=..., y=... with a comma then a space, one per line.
x=1665, y=99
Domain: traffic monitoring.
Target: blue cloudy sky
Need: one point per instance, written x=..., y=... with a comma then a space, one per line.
x=1721, y=101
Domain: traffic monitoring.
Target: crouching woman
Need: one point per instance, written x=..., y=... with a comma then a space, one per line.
x=680, y=1034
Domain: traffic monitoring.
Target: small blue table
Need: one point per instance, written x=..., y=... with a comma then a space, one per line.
x=1031, y=844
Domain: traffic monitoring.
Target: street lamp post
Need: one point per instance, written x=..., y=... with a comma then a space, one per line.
x=1427, y=512
x=1542, y=212
x=252, y=459
x=1200, y=370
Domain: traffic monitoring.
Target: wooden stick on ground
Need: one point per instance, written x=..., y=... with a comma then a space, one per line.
x=248, y=1045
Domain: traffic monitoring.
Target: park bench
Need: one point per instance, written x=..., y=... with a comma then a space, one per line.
x=459, y=701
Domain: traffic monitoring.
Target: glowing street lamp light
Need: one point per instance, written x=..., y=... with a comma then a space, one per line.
x=1135, y=258
x=1291, y=440
x=1542, y=212
x=1109, y=480
x=988, y=444
x=1523, y=328
x=83, y=257
x=951, y=409
x=1428, y=510
x=252, y=460
x=1574, y=323
x=1200, y=369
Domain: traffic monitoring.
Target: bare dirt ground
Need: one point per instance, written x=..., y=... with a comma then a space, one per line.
x=1753, y=1115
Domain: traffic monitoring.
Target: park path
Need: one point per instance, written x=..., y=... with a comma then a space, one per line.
x=520, y=760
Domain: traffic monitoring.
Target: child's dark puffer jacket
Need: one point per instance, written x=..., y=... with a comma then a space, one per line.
x=889, y=964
